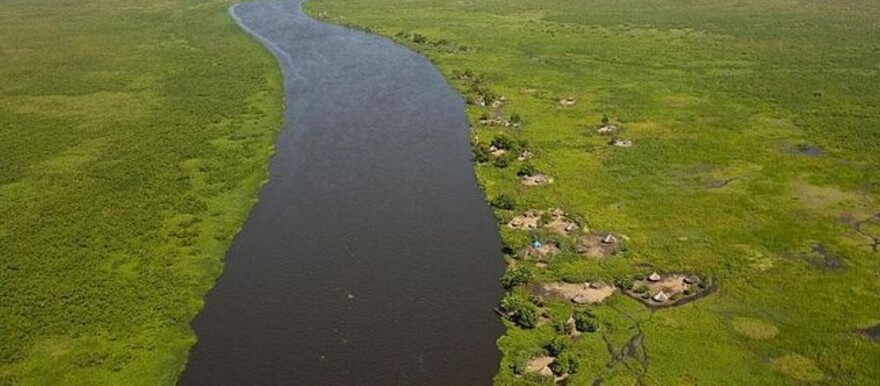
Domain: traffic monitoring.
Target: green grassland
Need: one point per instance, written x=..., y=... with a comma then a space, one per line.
x=722, y=100
x=134, y=136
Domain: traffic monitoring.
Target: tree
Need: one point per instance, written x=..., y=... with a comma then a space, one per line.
x=585, y=322
x=565, y=363
x=522, y=312
x=557, y=345
x=481, y=154
x=526, y=170
x=625, y=283
x=501, y=142
x=516, y=276
x=502, y=202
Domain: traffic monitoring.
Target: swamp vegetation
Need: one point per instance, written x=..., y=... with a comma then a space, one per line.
x=747, y=141
x=133, y=139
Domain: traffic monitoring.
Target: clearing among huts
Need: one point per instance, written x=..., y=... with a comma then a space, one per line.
x=554, y=220
x=529, y=220
x=540, y=365
x=577, y=293
x=535, y=180
x=661, y=290
x=540, y=251
x=598, y=245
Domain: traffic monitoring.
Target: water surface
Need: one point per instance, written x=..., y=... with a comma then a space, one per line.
x=371, y=258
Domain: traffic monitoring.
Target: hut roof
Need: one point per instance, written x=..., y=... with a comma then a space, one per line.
x=660, y=297
x=546, y=372
x=692, y=279
x=654, y=277
x=610, y=239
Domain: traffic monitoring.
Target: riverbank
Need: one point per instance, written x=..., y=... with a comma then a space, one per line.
x=135, y=137
x=371, y=257
x=689, y=132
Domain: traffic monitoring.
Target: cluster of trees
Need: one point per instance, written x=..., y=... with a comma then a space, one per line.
x=565, y=362
x=503, y=202
x=520, y=311
x=512, y=147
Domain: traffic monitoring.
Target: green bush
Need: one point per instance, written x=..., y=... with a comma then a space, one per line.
x=624, y=283
x=556, y=346
x=503, y=202
x=515, y=118
x=585, y=322
x=562, y=327
x=522, y=312
x=566, y=363
x=502, y=142
x=516, y=277
x=481, y=153
x=527, y=170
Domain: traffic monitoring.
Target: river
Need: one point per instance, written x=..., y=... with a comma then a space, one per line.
x=371, y=257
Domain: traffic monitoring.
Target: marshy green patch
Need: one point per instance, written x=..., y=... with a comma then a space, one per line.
x=753, y=160
x=133, y=139
x=752, y=328
x=798, y=368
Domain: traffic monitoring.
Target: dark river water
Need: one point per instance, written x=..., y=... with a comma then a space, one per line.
x=371, y=258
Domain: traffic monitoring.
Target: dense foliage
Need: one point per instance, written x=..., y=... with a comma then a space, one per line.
x=133, y=138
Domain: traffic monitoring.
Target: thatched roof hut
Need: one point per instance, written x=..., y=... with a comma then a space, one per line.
x=610, y=239
x=654, y=277
x=660, y=297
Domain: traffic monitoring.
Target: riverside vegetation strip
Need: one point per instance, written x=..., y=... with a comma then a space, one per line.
x=133, y=139
x=754, y=159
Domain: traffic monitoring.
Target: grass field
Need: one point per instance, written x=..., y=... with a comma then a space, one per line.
x=133, y=138
x=756, y=130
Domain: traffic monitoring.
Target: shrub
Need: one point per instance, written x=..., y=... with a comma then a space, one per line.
x=516, y=276
x=557, y=345
x=565, y=363
x=526, y=170
x=585, y=322
x=522, y=312
x=419, y=38
x=563, y=328
x=625, y=283
x=481, y=154
x=515, y=118
x=500, y=162
x=503, y=202
x=536, y=300
x=502, y=142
